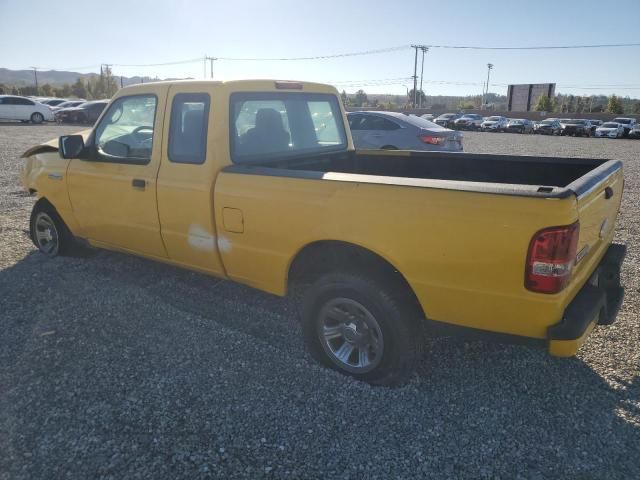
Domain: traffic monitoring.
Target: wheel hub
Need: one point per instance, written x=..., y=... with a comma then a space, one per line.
x=350, y=335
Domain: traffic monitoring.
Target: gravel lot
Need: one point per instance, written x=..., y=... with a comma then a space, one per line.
x=116, y=367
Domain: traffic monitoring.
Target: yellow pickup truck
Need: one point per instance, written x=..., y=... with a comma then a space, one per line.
x=258, y=182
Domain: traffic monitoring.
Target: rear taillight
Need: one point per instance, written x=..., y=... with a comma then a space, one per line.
x=551, y=257
x=431, y=139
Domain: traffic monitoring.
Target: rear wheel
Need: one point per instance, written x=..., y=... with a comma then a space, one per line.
x=37, y=117
x=362, y=328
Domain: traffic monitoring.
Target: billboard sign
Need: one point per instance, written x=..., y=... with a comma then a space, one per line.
x=523, y=97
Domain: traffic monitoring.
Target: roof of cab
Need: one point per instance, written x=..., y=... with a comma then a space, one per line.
x=243, y=85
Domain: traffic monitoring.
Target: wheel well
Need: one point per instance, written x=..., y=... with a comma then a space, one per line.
x=326, y=256
x=43, y=202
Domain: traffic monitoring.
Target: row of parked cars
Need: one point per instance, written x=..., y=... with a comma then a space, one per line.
x=616, y=128
x=38, y=109
x=400, y=131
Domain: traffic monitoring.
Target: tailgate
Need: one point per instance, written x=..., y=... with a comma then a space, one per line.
x=599, y=194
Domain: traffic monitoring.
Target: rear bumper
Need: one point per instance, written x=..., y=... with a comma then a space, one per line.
x=597, y=302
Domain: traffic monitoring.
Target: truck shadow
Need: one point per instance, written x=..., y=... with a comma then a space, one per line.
x=482, y=396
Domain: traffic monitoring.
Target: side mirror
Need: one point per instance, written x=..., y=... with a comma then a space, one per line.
x=71, y=146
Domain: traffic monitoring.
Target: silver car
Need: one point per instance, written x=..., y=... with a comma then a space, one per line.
x=397, y=131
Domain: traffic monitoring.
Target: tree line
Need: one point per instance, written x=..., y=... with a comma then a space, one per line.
x=93, y=88
x=558, y=104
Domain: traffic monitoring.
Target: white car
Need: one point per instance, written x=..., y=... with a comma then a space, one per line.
x=610, y=130
x=495, y=124
x=21, y=108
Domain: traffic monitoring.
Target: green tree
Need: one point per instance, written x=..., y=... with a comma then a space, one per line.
x=421, y=99
x=571, y=104
x=345, y=99
x=360, y=98
x=466, y=105
x=615, y=105
x=79, y=89
x=636, y=107
x=579, y=105
x=46, y=90
x=543, y=104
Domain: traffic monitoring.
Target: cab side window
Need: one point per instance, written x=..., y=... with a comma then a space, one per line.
x=125, y=132
x=188, y=128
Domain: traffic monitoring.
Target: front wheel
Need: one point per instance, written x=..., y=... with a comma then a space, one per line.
x=362, y=328
x=49, y=232
x=37, y=118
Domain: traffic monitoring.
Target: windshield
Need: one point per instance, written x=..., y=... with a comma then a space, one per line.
x=626, y=121
x=266, y=125
x=610, y=125
x=471, y=117
x=494, y=119
x=547, y=122
x=446, y=116
x=516, y=121
x=577, y=122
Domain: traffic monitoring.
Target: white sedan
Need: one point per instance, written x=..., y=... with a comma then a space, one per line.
x=610, y=130
x=25, y=109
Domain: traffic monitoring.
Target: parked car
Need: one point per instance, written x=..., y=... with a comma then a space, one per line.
x=610, y=130
x=495, y=124
x=396, y=131
x=428, y=116
x=635, y=131
x=447, y=120
x=576, y=128
x=520, y=125
x=22, y=108
x=88, y=112
x=214, y=177
x=627, y=124
x=468, y=121
x=68, y=104
x=54, y=102
x=594, y=124
x=550, y=126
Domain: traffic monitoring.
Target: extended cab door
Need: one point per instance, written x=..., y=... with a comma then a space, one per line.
x=113, y=191
x=187, y=175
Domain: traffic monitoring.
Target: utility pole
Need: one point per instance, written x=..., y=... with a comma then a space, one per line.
x=415, y=76
x=211, y=60
x=489, y=68
x=424, y=50
x=35, y=74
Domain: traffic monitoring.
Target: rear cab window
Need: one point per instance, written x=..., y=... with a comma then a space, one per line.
x=268, y=125
x=188, y=128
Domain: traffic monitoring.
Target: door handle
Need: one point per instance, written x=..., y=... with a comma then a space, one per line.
x=139, y=183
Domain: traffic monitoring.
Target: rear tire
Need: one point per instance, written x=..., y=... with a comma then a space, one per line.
x=48, y=231
x=361, y=327
x=37, y=118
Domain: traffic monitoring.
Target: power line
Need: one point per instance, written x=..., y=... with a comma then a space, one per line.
x=537, y=47
x=318, y=57
x=177, y=62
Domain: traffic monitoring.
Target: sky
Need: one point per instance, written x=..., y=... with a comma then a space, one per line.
x=80, y=35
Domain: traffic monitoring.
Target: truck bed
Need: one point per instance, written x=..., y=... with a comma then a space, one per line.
x=507, y=174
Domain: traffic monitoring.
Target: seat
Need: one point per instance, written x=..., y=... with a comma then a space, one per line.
x=268, y=135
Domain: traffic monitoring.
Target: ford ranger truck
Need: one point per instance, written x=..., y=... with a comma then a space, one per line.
x=258, y=182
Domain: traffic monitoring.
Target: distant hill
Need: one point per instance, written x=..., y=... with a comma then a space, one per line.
x=56, y=78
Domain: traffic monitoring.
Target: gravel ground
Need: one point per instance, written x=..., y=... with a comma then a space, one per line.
x=116, y=367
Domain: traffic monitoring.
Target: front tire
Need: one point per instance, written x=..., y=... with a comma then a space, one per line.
x=37, y=118
x=48, y=231
x=362, y=328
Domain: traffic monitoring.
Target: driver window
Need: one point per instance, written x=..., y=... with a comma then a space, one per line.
x=126, y=130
